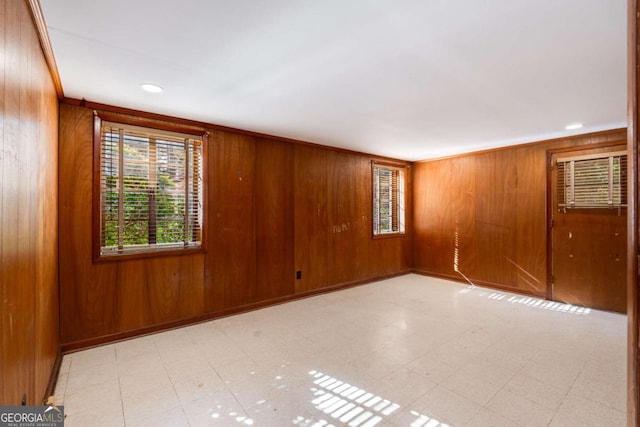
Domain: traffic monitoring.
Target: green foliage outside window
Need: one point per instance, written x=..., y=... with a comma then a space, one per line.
x=144, y=204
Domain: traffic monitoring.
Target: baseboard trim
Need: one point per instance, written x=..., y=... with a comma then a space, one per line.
x=73, y=346
x=491, y=285
x=53, y=379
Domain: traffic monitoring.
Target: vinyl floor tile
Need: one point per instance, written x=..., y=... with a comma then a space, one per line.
x=409, y=351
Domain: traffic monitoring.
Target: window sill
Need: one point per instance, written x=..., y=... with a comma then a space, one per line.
x=388, y=235
x=148, y=254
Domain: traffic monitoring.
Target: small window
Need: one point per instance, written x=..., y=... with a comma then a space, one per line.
x=150, y=188
x=595, y=181
x=388, y=199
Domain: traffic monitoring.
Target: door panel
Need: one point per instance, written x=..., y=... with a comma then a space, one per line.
x=588, y=250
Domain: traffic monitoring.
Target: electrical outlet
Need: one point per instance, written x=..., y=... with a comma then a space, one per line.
x=299, y=274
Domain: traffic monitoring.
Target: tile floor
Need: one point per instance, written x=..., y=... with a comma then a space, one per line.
x=409, y=351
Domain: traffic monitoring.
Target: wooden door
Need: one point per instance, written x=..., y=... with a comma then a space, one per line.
x=588, y=237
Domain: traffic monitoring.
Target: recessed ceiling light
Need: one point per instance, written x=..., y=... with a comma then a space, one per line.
x=573, y=126
x=150, y=87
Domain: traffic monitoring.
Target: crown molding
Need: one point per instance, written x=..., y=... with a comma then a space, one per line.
x=45, y=44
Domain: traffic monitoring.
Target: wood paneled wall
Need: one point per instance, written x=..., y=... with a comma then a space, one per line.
x=486, y=214
x=274, y=207
x=28, y=211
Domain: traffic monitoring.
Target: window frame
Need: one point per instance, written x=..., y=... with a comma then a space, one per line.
x=565, y=167
x=402, y=204
x=96, y=227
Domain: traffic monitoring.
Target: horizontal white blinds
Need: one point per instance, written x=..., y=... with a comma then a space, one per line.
x=388, y=200
x=151, y=190
x=592, y=182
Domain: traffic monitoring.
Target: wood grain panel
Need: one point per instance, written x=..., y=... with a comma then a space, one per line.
x=274, y=219
x=311, y=218
x=588, y=265
x=343, y=217
x=406, y=261
x=164, y=277
x=231, y=255
x=528, y=211
x=47, y=328
x=495, y=227
x=192, y=289
x=462, y=260
x=360, y=220
x=444, y=217
x=162, y=287
x=132, y=292
x=214, y=262
x=28, y=211
x=428, y=186
x=17, y=289
x=87, y=291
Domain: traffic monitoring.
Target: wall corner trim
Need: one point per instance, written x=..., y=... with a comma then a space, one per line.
x=45, y=44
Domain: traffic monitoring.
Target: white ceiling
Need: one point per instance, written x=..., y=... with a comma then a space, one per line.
x=410, y=79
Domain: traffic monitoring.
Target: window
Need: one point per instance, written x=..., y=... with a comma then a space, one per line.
x=594, y=181
x=388, y=199
x=150, y=190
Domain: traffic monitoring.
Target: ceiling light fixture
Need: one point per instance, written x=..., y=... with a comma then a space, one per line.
x=573, y=126
x=150, y=87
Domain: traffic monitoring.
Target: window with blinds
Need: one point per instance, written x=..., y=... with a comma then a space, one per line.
x=388, y=200
x=151, y=190
x=595, y=181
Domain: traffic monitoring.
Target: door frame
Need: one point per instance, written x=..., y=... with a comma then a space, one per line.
x=549, y=199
